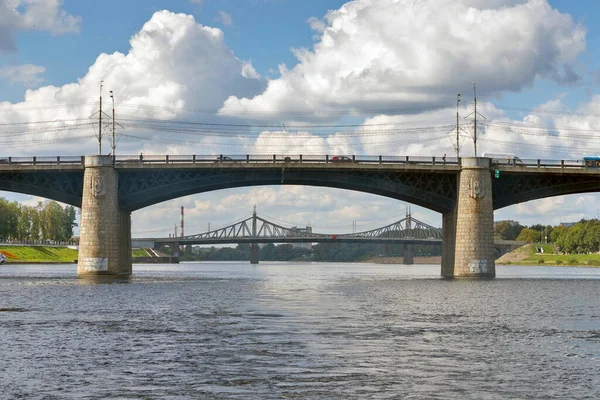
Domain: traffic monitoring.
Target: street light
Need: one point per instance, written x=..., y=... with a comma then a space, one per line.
x=113, y=124
x=457, y=126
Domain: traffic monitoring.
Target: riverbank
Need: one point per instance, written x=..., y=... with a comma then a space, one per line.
x=38, y=254
x=528, y=255
x=66, y=255
x=400, y=260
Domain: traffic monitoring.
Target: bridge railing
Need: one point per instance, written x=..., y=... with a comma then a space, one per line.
x=278, y=158
x=44, y=160
x=286, y=159
x=537, y=163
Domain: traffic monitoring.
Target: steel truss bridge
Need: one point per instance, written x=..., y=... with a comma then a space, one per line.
x=259, y=230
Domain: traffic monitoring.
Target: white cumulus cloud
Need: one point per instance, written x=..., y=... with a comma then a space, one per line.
x=374, y=54
x=27, y=74
x=44, y=15
x=174, y=64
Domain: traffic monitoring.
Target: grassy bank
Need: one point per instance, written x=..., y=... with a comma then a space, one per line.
x=47, y=254
x=37, y=254
x=528, y=255
x=139, y=253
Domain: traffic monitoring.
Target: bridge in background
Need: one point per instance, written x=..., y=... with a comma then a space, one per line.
x=466, y=191
x=254, y=230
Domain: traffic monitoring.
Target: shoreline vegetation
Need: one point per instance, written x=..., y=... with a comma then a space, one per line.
x=525, y=255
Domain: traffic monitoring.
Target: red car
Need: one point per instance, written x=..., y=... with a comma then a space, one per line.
x=341, y=159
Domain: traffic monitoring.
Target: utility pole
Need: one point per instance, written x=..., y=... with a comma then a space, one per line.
x=113, y=124
x=457, y=127
x=475, y=119
x=100, y=123
x=475, y=114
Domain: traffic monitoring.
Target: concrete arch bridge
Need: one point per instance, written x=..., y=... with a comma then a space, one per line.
x=466, y=191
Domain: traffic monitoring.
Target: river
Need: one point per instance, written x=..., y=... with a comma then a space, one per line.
x=301, y=331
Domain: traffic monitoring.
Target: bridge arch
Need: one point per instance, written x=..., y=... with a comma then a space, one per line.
x=433, y=190
x=63, y=186
x=514, y=188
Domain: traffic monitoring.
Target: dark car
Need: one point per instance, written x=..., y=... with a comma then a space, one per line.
x=224, y=159
x=342, y=159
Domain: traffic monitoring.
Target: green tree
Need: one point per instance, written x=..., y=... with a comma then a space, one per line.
x=528, y=235
x=507, y=230
x=68, y=222
x=53, y=222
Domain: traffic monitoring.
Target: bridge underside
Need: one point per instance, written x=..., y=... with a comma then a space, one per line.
x=432, y=190
x=63, y=186
x=513, y=188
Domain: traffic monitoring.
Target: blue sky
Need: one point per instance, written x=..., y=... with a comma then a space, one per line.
x=262, y=31
x=530, y=54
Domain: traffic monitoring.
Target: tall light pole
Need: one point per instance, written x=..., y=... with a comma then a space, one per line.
x=457, y=126
x=100, y=123
x=475, y=116
x=113, y=124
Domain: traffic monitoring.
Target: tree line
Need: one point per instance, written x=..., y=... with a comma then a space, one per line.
x=45, y=221
x=580, y=238
x=340, y=252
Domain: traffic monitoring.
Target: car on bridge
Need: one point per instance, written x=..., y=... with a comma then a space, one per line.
x=224, y=159
x=341, y=159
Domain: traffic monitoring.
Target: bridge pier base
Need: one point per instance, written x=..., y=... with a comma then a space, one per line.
x=105, y=232
x=254, y=253
x=448, y=244
x=474, y=239
x=408, y=258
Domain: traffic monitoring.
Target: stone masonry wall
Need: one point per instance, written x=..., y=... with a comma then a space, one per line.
x=101, y=238
x=448, y=244
x=474, y=251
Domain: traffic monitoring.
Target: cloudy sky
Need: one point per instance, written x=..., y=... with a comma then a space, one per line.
x=303, y=77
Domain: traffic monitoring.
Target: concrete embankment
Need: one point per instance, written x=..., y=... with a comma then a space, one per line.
x=155, y=257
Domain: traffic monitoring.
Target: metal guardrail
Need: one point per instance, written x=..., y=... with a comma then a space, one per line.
x=276, y=159
x=284, y=159
x=44, y=160
x=539, y=163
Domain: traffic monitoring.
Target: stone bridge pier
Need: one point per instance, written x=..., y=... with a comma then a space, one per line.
x=408, y=258
x=105, y=232
x=468, y=231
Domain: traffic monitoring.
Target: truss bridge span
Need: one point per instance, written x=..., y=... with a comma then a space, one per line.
x=256, y=229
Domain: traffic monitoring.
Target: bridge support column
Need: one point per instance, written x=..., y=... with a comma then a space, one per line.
x=408, y=258
x=105, y=232
x=448, y=244
x=254, y=253
x=474, y=251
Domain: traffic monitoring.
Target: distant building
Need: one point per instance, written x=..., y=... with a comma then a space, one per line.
x=567, y=224
x=300, y=232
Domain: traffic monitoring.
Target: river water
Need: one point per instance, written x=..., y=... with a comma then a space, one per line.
x=299, y=331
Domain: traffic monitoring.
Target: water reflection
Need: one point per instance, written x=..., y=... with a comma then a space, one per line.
x=300, y=330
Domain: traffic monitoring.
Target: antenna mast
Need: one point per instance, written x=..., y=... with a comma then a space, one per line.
x=100, y=123
x=475, y=119
x=182, y=221
x=113, y=124
x=457, y=127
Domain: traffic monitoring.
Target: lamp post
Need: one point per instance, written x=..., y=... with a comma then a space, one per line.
x=457, y=126
x=113, y=124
